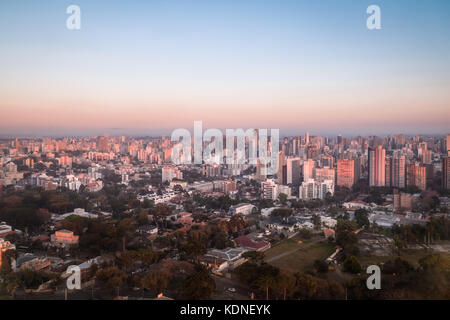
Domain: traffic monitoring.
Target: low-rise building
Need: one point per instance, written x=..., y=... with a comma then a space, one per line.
x=79, y=212
x=328, y=221
x=5, y=230
x=242, y=208
x=222, y=260
x=385, y=221
x=64, y=237
x=251, y=243
x=329, y=233
x=32, y=262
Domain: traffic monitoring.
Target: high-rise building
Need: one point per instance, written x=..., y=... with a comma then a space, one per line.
x=312, y=189
x=388, y=171
x=402, y=201
x=400, y=140
x=427, y=157
x=308, y=169
x=446, y=172
x=281, y=160
x=398, y=178
x=322, y=174
x=327, y=161
x=416, y=175
x=447, y=144
x=169, y=173
x=293, y=171
x=377, y=167
x=347, y=173
x=269, y=190
x=260, y=173
x=102, y=143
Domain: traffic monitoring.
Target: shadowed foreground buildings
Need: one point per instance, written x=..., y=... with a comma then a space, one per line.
x=446, y=171
x=377, y=167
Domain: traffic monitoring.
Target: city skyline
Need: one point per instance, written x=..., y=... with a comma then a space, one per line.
x=149, y=68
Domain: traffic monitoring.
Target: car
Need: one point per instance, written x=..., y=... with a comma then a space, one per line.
x=232, y=290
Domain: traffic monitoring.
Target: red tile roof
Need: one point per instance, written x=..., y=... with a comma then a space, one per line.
x=244, y=241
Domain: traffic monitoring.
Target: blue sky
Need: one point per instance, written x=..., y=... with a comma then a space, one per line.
x=155, y=65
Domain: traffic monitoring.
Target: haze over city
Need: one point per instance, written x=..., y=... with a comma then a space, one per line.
x=146, y=68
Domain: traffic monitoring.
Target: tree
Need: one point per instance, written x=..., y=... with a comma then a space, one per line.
x=316, y=221
x=307, y=286
x=254, y=256
x=111, y=277
x=281, y=212
x=236, y=224
x=143, y=217
x=285, y=283
x=433, y=276
x=265, y=282
x=193, y=248
x=199, y=285
x=398, y=244
x=397, y=267
x=362, y=218
x=157, y=280
x=352, y=265
x=7, y=257
x=321, y=266
x=283, y=198
x=305, y=233
x=345, y=236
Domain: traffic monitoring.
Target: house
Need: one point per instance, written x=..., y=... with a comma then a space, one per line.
x=161, y=296
x=356, y=204
x=148, y=230
x=305, y=225
x=94, y=186
x=328, y=221
x=184, y=214
x=328, y=233
x=186, y=221
x=282, y=226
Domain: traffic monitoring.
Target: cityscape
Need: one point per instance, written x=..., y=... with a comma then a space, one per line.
x=140, y=227
x=332, y=181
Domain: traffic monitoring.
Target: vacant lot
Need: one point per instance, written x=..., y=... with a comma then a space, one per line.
x=412, y=256
x=377, y=249
x=291, y=255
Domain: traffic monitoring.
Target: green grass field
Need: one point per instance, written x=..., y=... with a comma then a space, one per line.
x=290, y=255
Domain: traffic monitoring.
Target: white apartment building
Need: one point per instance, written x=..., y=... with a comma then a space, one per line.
x=269, y=190
x=170, y=173
x=313, y=189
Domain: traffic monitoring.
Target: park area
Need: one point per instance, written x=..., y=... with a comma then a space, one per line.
x=297, y=255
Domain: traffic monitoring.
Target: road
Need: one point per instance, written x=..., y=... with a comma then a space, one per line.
x=222, y=284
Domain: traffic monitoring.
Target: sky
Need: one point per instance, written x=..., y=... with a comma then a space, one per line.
x=149, y=67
